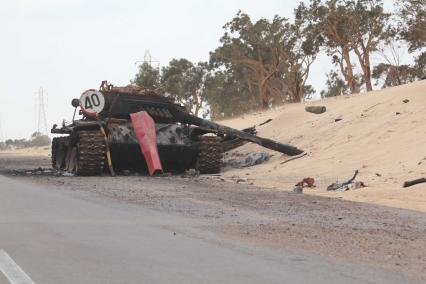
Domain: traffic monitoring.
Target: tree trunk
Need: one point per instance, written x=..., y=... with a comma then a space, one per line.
x=263, y=96
x=349, y=73
x=364, y=61
x=367, y=78
x=367, y=71
x=197, y=102
x=299, y=90
x=261, y=80
x=262, y=89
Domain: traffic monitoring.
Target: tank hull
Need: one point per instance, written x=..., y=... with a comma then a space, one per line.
x=174, y=158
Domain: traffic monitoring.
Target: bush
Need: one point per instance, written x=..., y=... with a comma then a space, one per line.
x=37, y=140
x=3, y=146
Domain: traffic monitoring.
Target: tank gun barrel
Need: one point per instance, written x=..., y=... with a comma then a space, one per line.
x=184, y=117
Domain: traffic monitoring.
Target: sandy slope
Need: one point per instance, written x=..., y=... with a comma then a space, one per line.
x=31, y=151
x=387, y=148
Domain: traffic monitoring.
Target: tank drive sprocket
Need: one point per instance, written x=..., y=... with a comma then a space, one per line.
x=210, y=155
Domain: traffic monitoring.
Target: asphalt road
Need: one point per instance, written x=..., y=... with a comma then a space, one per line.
x=64, y=236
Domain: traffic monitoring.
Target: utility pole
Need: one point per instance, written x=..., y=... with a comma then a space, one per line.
x=41, y=106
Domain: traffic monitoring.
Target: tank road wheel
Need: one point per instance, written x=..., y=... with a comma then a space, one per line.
x=87, y=156
x=210, y=154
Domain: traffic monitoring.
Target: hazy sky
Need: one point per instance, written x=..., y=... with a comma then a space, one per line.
x=69, y=46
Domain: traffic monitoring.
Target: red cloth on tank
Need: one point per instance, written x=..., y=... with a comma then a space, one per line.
x=144, y=127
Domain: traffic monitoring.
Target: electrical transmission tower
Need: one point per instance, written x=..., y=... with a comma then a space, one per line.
x=148, y=59
x=41, y=106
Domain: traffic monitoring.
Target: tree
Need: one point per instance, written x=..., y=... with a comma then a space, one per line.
x=306, y=45
x=349, y=26
x=394, y=75
x=148, y=77
x=264, y=52
x=17, y=143
x=39, y=140
x=412, y=25
x=227, y=94
x=369, y=24
x=3, y=146
x=184, y=81
x=257, y=47
x=392, y=72
x=413, y=22
x=332, y=20
x=421, y=66
x=336, y=86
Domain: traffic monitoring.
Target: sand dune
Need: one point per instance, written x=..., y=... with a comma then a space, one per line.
x=380, y=135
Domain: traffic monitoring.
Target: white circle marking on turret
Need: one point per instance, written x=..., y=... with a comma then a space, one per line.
x=92, y=102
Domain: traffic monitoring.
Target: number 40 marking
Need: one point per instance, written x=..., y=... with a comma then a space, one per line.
x=91, y=101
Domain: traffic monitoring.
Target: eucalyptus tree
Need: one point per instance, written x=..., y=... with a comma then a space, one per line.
x=370, y=26
x=333, y=22
x=147, y=76
x=184, y=82
x=268, y=52
x=412, y=22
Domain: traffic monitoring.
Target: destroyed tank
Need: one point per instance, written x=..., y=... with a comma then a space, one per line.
x=110, y=136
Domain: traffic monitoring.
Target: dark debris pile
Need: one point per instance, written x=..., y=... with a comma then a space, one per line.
x=34, y=172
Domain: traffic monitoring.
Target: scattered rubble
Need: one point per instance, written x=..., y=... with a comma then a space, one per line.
x=298, y=189
x=316, y=109
x=306, y=182
x=340, y=187
x=34, y=172
x=248, y=160
x=294, y=158
x=265, y=122
x=414, y=182
x=350, y=184
x=370, y=108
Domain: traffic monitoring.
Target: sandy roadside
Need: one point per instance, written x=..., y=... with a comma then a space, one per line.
x=28, y=152
x=378, y=134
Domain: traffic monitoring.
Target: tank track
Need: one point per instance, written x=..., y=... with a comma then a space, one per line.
x=58, y=151
x=210, y=155
x=91, y=150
